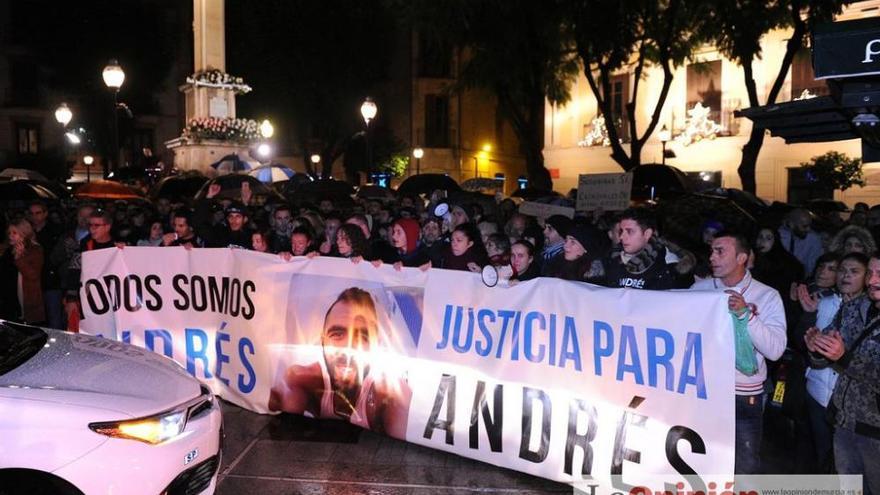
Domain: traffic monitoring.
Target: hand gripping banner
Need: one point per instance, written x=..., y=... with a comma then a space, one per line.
x=559, y=379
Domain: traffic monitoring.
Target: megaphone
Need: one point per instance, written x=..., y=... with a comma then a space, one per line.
x=442, y=210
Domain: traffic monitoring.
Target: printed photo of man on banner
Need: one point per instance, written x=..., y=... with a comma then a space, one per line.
x=352, y=365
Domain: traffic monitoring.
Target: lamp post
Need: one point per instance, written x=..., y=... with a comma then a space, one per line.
x=88, y=160
x=368, y=112
x=418, y=153
x=63, y=114
x=316, y=159
x=114, y=76
x=664, y=136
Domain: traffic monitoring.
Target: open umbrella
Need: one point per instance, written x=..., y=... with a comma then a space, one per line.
x=376, y=192
x=178, y=187
x=269, y=174
x=478, y=184
x=21, y=173
x=746, y=200
x=653, y=181
x=230, y=188
x=683, y=218
x=106, y=189
x=231, y=163
x=326, y=186
x=532, y=194
x=427, y=183
x=24, y=190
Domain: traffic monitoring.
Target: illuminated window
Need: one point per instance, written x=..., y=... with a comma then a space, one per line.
x=28, y=138
x=802, y=77
x=704, y=86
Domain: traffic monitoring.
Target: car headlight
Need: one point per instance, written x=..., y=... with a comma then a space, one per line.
x=153, y=429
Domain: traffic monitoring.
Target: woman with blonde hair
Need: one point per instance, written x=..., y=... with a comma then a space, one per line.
x=27, y=256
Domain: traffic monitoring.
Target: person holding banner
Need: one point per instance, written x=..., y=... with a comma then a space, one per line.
x=405, y=241
x=756, y=310
x=579, y=259
x=348, y=382
x=465, y=250
x=556, y=229
x=642, y=261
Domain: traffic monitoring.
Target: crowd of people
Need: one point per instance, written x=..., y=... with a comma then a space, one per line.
x=793, y=290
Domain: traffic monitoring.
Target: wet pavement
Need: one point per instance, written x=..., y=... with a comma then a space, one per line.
x=291, y=455
x=294, y=455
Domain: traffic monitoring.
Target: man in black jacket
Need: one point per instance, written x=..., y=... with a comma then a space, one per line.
x=235, y=231
x=642, y=261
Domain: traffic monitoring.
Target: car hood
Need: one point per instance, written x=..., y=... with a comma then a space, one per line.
x=101, y=373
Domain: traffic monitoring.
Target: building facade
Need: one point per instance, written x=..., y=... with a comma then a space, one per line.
x=29, y=132
x=717, y=85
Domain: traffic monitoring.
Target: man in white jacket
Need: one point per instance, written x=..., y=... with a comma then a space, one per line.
x=762, y=306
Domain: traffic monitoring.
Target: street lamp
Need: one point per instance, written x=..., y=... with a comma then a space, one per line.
x=368, y=112
x=63, y=114
x=267, y=130
x=316, y=159
x=88, y=160
x=664, y=136
x=418, y=153
x=264, y=150
x=72, y=137
x=114, y=76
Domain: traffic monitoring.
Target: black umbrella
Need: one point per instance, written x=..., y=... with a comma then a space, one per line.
x=330, y=187
x=177, y=187
x=653, y=181
x=290, y=186
x=531, y=194
x=23, y=191
x=231, y=163
x=683, y=218
x=426, y=184
x=486, y=201
x=746, y=200
x=230, y=188
x=376, y=192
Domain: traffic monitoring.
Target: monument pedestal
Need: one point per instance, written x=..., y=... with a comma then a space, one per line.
x=199, y=156
x=210, y=94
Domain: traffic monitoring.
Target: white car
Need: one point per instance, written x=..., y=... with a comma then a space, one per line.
x=87, y=415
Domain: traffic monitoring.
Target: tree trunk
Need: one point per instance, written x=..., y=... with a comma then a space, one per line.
x=749, y=160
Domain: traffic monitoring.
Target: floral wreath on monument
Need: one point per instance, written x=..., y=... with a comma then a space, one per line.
x=242, y=131
x=216, y=78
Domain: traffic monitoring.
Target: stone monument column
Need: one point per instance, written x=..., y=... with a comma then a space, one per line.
x=209, y=92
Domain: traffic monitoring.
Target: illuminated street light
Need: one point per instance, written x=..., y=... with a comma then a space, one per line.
x=264, y=150
x=418, y=153
x=63, y=114
x=113, y=76
x=665, y=136
x=315, y=158
x=369, y=110
x=266, y=129
x=73, y=138
x=88, y=160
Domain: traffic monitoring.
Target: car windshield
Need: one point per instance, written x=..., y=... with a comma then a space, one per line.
x=18, y=343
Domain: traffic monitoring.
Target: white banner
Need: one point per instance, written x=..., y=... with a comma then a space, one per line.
x=559, y=379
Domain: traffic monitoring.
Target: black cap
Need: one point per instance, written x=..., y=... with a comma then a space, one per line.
x=236, y=207
x=560, y=223
x=593, y=240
